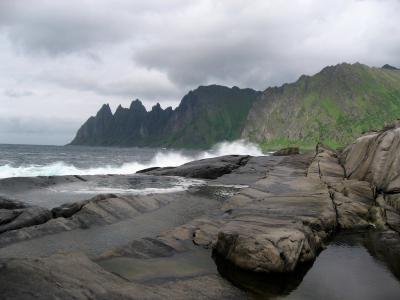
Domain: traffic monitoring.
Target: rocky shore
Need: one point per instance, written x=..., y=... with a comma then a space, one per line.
x=265, y=217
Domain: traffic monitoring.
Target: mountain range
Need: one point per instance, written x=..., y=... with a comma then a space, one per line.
x=205, y=116
x=333, y=106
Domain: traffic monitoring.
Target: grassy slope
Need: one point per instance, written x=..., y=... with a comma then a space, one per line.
x=333, y=106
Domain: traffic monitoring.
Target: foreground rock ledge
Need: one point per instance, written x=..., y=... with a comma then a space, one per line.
x=280, y=221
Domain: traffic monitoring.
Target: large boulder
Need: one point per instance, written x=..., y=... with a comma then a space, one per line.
x=210, y=168
x=278, y=223
x=374, y=157
x=353, y=199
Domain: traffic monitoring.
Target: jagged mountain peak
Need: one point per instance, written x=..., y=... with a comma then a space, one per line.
x=120, y=111
x=205, y=116
x=389, y=67
x=157, y=107
x=342, y=67
x=105, y=110
x=137, y=105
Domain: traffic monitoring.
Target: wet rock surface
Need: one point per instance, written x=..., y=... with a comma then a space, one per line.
x=265, y=217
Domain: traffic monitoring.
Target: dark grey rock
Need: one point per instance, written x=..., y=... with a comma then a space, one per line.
x=27, y=217
x=7, y=215
x=10, y=204
x=68, y=209
x=210, y=168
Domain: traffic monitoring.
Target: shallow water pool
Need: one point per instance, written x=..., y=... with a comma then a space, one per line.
x=348, y=269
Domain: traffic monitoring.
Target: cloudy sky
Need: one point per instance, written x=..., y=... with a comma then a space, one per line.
x=60, y=60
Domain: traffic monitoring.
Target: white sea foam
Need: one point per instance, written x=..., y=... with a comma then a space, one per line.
x=161, y=159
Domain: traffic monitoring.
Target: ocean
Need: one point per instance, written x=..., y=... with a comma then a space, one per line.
x=34, y=160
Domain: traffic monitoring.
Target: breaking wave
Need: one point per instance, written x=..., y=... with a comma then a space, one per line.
x=162, y=158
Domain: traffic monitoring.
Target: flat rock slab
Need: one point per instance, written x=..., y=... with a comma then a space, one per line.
x=109, y=222
x=51, y=192
x=29, y=279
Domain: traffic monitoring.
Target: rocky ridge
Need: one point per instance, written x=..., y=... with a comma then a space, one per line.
x=205, y=116
x=334, y=107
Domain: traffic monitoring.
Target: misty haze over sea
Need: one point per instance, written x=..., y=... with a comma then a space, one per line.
x=35, y=160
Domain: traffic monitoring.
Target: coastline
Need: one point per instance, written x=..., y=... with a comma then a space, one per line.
x=265, y=215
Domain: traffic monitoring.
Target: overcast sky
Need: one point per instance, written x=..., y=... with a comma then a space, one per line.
x=60, y=60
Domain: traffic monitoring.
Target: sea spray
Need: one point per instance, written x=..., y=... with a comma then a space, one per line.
x=162, y=158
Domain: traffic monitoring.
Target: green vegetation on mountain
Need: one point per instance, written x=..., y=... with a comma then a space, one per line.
x=334, y=106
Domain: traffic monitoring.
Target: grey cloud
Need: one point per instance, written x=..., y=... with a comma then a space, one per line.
x=145, y=87
x=64, y=58
x=256, y=44
x=265, y=43
x=17, y=93
x=63, y=27
x=200, y=61
x=54, y=27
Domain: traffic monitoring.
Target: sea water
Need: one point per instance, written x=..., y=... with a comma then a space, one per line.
x=33, y=160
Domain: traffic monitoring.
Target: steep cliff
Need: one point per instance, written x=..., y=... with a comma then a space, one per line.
x=205, y=116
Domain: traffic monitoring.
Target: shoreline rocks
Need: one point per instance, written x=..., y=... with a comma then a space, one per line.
x=283, y=214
